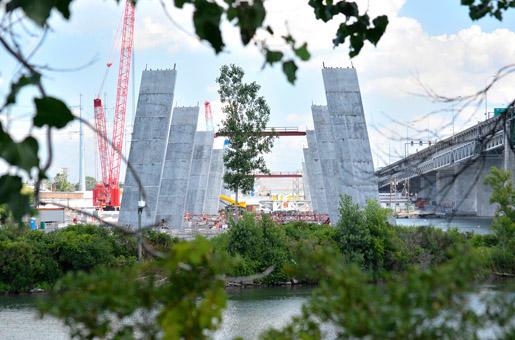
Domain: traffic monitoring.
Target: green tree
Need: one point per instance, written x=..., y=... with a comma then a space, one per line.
x=247, y=115
x=365, y=237
x=61, y=183
x=90, y=183
x=503, y=256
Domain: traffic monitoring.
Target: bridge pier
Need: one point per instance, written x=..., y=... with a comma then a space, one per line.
x=461, y=189
x=444, y=193
x=468, y=178
x=427, y=183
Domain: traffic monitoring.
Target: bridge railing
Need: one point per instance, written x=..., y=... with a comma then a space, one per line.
x=489, y=129
x=485, y=136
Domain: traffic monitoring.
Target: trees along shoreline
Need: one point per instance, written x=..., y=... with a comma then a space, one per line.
x=372, y=278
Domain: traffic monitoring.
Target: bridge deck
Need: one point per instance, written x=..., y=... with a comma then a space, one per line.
x=482, y=137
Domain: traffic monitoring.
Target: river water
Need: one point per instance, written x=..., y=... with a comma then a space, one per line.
x=477, y=225
x=248, y=313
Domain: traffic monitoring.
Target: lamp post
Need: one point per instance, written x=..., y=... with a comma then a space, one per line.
x=141, y=206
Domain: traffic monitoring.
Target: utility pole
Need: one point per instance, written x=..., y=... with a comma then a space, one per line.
x=82, y=175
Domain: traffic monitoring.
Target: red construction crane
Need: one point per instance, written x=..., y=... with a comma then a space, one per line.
x=208, y=115
x=106, y=195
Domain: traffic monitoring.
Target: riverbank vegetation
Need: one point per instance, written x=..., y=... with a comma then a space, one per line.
x=372, y=278
x=36, y=260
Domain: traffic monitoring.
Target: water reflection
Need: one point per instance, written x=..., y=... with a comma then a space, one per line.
x=249, y=312
x=476, y=225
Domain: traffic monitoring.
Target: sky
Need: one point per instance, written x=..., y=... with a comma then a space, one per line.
x=428, y=44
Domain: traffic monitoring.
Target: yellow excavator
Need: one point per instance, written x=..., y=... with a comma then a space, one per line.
x=229, y=201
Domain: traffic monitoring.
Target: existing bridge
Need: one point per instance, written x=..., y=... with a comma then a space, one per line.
x=450, y=174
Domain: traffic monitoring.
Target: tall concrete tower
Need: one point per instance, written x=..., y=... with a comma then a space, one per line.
x=339, y=148
x=148, y=145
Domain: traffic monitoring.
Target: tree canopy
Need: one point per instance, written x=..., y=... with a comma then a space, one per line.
x=247, y=115
x=61, y=182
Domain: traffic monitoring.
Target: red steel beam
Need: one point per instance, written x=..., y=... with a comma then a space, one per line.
x=279, y=131
x=279, y=175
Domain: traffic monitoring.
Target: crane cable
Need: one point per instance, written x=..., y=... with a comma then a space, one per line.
x=109, y=63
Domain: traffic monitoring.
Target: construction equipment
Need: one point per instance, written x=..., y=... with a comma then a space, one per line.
x=231, y=207
x=229, y=201
x=106, y=195
x=208, y=116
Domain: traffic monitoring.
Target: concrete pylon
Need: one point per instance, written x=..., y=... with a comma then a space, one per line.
x=314, y=167
x=337, y=176
x=151, y=124
x=305, y=179
x=199, y=172
x=176, y=171
x=350, y=132
x=215, y=183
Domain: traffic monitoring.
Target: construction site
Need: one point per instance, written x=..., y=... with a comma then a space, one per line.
x=176, y=171
x=182, y=174
x=174, y=176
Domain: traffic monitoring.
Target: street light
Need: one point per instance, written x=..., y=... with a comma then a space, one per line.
x=141, y=206
x=412, y=143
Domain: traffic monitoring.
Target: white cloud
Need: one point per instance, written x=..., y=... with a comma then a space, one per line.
x=457, y=63
x=153, y=27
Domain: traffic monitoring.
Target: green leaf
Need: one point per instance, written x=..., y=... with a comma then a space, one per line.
x=206, y=19
x=290, y=70
x=250, y=18
x=273, y=56
x=180, y=3
x=23, y=155
x=302, y=52
x=28, y=153
x=349, y=9
x=374, y=34
x=356, y=43
x=10, y=194
x=52, y=112
x=23, y=81
x=482, y=8
x=39, y=11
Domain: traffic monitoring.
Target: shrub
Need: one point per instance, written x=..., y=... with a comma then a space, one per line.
x=256, y=245
x=365, y=237
x=31, y=259
x=24, y=264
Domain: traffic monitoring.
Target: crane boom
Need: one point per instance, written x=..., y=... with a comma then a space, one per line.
x=121, y=92
x=100, y=126
x=107, y=193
